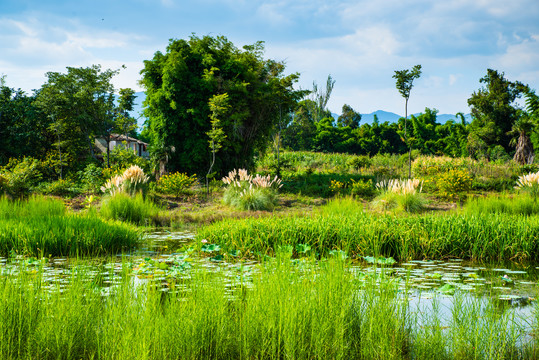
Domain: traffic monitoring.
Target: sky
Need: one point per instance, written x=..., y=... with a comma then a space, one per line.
x=360, y=43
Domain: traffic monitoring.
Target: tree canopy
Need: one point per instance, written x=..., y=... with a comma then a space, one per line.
x=180, y=83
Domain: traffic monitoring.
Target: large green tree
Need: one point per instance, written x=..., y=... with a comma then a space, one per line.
x=180, y=83
x=80, y=104
x=23, y=127
x=494, y=113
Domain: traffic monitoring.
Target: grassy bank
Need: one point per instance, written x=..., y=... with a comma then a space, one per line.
x=283, y=311
x=344, y=225
x=42, y=226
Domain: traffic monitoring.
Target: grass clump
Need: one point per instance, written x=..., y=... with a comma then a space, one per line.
x=42, y=226
x=246, y=192
x=403, y=195
x=485, y=237
x=134, y=209
x=515, y=204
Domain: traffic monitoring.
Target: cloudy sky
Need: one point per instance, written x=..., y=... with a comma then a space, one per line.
x=360, y=43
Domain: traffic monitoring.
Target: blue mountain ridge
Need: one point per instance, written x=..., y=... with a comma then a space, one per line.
x=383, y=116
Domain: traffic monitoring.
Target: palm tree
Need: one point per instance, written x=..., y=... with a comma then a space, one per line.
x=524, y=148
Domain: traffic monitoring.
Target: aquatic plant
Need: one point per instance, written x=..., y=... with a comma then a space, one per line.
x=248, y=192
x=134, y=209
x=42, y=226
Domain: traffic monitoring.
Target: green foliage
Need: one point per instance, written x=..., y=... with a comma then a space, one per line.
x=484, y=237
x=122, y=158
x=62, y=187
x=517, y=205
x=494, y=114
x=21, y=176
x=41, y=226
x=246, y=192
x=134, y=209
x=91, y=178
x=359, y=162
x=453, y=184
x=175, y=184
x=202, y=68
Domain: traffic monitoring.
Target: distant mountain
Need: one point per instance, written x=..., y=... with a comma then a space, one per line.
x=383, y=116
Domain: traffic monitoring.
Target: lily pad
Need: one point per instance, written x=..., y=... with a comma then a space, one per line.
x=379, y=260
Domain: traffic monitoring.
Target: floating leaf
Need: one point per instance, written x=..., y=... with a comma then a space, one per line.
x=379, y=260
x=447, y=289
x=210, y=248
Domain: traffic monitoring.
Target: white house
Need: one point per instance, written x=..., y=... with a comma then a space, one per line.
x=139, y=147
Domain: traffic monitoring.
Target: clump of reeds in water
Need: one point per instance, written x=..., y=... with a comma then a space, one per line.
x=42, y=226
x=248, y=192
x=400, y=194
x=328, y=310
x=126, y=201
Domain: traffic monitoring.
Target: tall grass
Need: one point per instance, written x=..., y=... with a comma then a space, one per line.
x=516, y=204
x=41, y=226
x=137, y=209
x=323, y=312
x=486, y=237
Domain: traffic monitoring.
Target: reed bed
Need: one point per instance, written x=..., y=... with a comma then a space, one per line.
x=42, y=227
x=484, y=237
x=284, y=312
x=516, y=204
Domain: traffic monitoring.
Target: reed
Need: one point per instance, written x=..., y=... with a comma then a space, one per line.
x=134, y=209
x=485, y=237
x=284, y=311
x=515, y=204
x=41, y=226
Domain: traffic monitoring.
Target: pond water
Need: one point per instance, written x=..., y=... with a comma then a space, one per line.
x=165, y=258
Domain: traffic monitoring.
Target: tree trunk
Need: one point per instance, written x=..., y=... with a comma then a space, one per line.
x=524, y=152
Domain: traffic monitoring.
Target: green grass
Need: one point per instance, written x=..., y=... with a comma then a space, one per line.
x=137, y=209
x=517, y=204
x=485, y=237
x=287, y=311
x=42, y=226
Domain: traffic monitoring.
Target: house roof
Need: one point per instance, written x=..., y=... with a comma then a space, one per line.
x=119, y=137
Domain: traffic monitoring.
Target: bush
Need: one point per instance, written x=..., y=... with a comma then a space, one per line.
x=92, y=178
x=21, y=176
x=175, y=184
x=403, y=195
x=359, y=162
x=136, y=210
x=60, y=187
x=362, y=188
x=453, y=184
x=132, y=181
x=246, y=192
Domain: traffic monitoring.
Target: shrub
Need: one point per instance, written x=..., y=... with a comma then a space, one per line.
x=359, y=162
x=433, y=165
x=92, y=178
x=362, y=188
x=131, y=182
x=175, y=184
x=62, y=187
x=246, y=192
x=136, y=210
x=453, y=184
x=401, y=194
x=529, y=183
x=21, y=176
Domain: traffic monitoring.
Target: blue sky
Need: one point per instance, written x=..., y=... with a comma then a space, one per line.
x=360, y=43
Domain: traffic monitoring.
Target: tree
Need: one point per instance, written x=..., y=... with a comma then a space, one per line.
x=522, y=128
x=405, y=82
x=493, y=113
x=23, y=127
x=80, y=104
x=218, y=107
x=349, y=117
x=180, y=83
